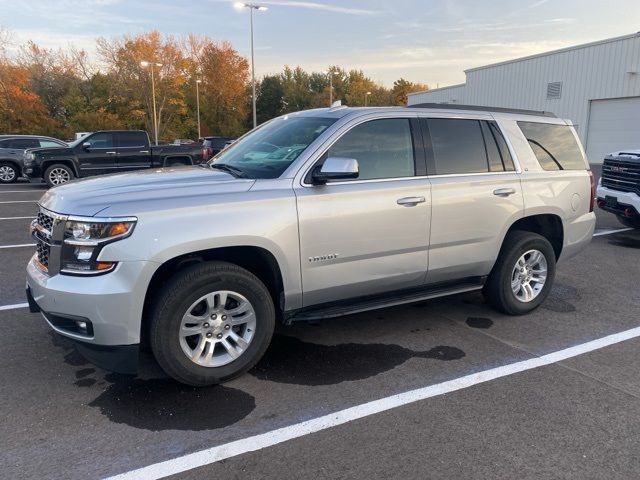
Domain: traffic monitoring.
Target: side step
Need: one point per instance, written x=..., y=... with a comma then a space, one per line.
x=374, y=302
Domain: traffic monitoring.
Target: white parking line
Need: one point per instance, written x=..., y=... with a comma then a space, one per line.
x=274, y=437
x=16, y=218
x=15, y=306
x=21, y=201
x=19, y=246
x=22, y=191
x=611, y=231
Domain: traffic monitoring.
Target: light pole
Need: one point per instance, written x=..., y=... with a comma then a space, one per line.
x=198, y=82
x=252, y=7
x=331, y=74
x=366, y=98
x=144, y=63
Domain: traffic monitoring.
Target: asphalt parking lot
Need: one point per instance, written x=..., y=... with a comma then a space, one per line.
x=576, y=417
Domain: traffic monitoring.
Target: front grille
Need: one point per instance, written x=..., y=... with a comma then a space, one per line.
x=43, y=233
x=623, y=175
x=43, y=250
x=45, y=221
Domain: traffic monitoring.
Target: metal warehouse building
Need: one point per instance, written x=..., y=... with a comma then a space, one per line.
x=596, y=85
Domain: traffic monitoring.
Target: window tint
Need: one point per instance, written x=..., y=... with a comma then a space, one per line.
x=554, y=146
x=383, y=148
x=24, y=143
x=100, y=140
x=458, y=146
x=132, y=139
x=48, y=143
x=497, y=152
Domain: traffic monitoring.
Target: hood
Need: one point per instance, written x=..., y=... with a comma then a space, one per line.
x=144, y=190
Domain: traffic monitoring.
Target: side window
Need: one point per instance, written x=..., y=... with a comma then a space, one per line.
x=101, y=140
x=497, y=152
x=48, y=143
x=24, y=143
x=383, y=148
x=458, y=146
x=4, y=143
x=132, y=139
x=554, y=146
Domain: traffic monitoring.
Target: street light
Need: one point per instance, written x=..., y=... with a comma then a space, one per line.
x=331, y=74
x=144, y=63
x=366, y=98
x=252, y=7
x=198, y=82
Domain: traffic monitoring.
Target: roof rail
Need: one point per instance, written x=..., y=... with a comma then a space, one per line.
x=457, y=106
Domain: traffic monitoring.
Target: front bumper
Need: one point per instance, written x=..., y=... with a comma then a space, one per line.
x=623, y=200
x=111, y=305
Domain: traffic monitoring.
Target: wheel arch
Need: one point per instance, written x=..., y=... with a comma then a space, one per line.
x=13, y=162
x=177, y=158
x=257, y=260
x=547, y=225
x=62, y=161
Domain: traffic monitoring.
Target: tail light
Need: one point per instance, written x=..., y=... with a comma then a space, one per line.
x=592, y=200
x=204, y=154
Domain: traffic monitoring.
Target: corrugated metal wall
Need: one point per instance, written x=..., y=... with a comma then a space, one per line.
x=588, y=72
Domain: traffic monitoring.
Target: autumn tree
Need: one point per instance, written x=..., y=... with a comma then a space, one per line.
x=402, y=87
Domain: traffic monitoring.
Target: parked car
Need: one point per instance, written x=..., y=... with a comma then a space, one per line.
x=384, y=206
x=619, y=187
x=12, y=148
x=108, y=151
x=212, y=145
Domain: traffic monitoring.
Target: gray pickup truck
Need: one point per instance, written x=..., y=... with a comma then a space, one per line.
x=351, y=209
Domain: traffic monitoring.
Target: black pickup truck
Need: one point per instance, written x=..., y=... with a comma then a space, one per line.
x=107, y=151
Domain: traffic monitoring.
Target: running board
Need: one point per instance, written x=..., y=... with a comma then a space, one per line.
x=364, y=304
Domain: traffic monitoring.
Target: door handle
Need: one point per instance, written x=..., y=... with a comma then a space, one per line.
x=410, y=201
x=504, y=192
x=144, y=151
x=109, y=153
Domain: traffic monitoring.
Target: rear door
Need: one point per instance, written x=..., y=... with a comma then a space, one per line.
x=476, y=195
x=99, y=156
x=371, y=234
x=133, y=151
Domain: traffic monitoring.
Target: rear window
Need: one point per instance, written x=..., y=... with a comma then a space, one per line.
x=132, y=139
x=554, y=146
x=24, y=143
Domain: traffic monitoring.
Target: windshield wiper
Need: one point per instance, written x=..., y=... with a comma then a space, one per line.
x=235, y=171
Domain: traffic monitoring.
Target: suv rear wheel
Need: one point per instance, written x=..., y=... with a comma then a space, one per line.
x=8, y=172
x=523, y=274
x=210, y=323
x=58, y=174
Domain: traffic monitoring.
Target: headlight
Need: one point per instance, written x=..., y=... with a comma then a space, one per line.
x=29, y=158
x=85, y=238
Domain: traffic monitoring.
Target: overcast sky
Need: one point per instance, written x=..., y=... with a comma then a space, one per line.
x=429, y=41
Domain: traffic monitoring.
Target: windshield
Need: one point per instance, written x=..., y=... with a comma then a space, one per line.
x=269, y=150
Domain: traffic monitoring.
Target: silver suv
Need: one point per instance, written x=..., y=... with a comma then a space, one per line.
x=314, y=214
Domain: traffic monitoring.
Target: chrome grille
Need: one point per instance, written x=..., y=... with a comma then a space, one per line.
x=42, y=229
x=623, y=175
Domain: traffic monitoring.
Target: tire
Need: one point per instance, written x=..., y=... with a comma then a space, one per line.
x=629, y=222
x=499, y=289
x=57, y=174
x=8, y=172
x=180, y=355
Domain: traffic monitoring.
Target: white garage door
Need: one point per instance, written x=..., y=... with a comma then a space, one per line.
x=613, y=125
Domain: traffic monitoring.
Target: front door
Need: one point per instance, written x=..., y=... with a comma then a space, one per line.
x=100, y=156
x=368, y=235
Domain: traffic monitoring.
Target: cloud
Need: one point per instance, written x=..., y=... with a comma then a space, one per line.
x=320, y=6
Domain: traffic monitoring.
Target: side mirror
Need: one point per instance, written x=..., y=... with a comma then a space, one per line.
x=336, y=168
x=86, y=145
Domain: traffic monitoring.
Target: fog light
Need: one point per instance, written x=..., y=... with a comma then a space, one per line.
x=82, y=326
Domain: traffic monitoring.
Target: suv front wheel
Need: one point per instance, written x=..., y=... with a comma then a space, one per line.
x=523, y=274
x=210, y=323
